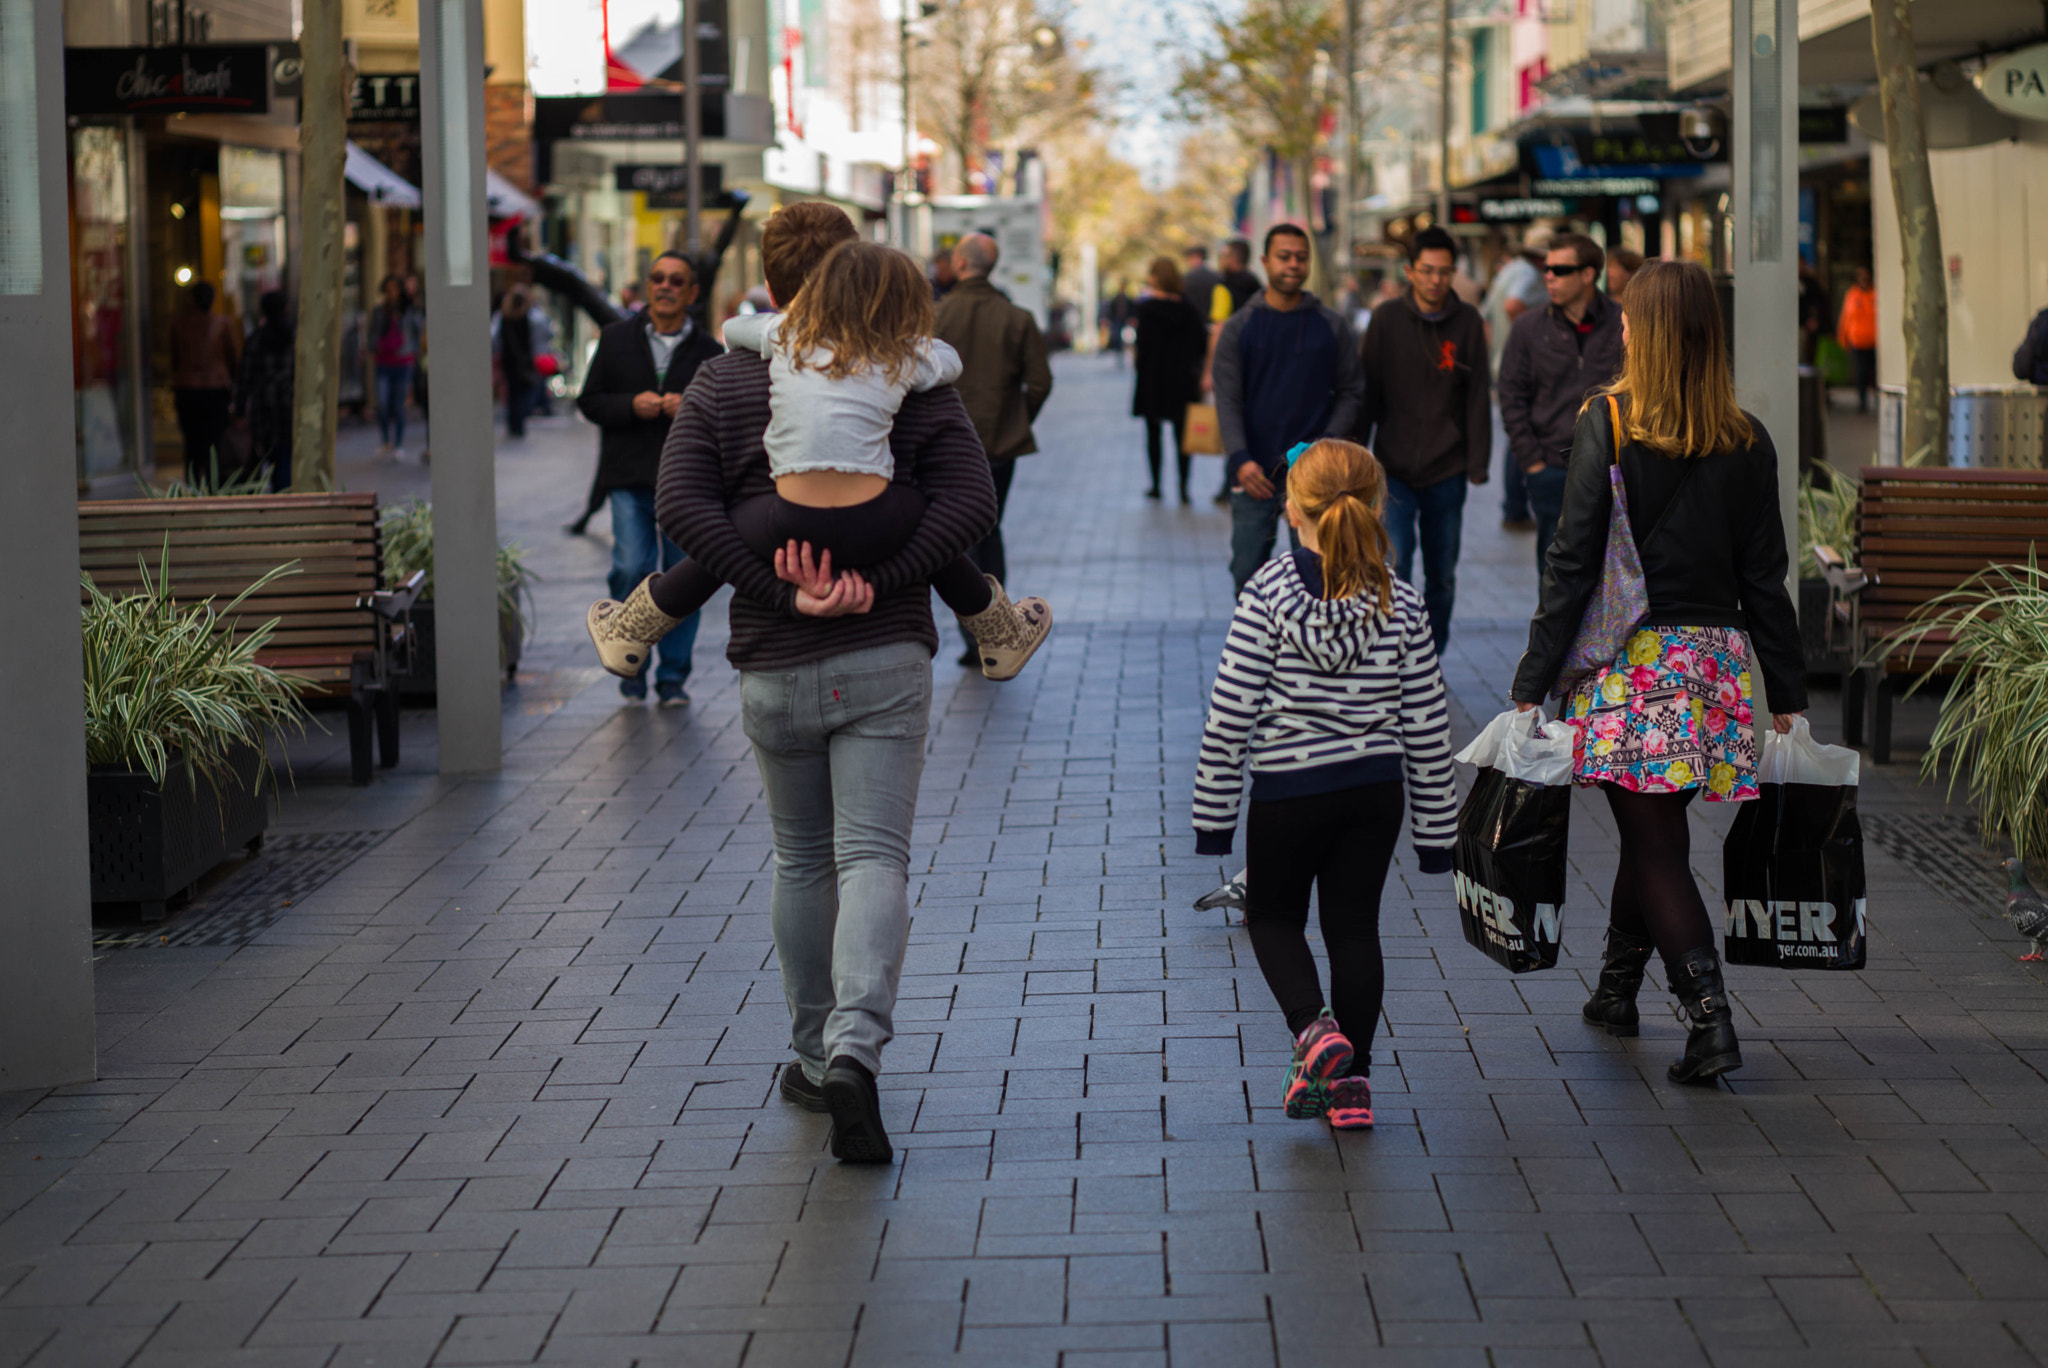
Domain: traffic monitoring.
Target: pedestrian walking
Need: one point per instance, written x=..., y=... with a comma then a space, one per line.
x=635, y=384
x=263, y=393
x=835, y=694
x=1116, y=322
x=1516, y=289
x=1171, y=340
x=1555, y=357
x=512, y=342
x=942, y=276
x=1428, y=418
x=1240, y=287
x=395, y=326
x=1816, y=312
x=1004, y=382
x=1330, y=684
x=204, y=359
x=1622, y=265
x=1857, y=332
x=1670, y=717
x=855, y=343
x=1285, y=371
x=1199, y=281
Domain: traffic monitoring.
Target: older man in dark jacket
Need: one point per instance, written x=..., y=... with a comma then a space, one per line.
x=643, y=364
x=1554, y=358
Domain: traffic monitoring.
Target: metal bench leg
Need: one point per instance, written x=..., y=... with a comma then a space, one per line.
x=359, y=721
x=1855, y=684
x=387, y=726
x=1881, y=720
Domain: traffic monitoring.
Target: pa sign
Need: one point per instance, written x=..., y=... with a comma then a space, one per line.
x=2017, y=83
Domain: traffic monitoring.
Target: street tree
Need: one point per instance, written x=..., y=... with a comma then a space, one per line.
x=1925, y=435
x=997, y=74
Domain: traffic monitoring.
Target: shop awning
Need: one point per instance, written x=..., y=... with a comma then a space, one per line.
x=506, y=199
x=383, y=185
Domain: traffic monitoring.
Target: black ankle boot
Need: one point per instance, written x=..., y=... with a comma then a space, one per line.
x=1613, y=1003
x=1710, y=1045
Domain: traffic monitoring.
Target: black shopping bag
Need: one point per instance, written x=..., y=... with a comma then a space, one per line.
x=1508, y=868
x=1792, y=872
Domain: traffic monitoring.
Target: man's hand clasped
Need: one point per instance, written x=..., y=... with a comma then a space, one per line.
x=820, y=593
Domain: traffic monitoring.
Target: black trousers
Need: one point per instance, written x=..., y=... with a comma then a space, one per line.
x=1339, y=844
x=1155, y=457
x=202, y=418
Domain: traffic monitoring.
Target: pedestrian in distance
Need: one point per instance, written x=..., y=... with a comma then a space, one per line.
x=1198, y=281
x=512, y=342
x=395, y=326
x=1856, y=330
x=1622, y=265
x=1814, y=312
x=835, y=694
x=1670, y=717
x=204, y=359
x=1004, y=382
x=1329, y=683
x=942, y=277
x=855, y=342
x=1286, y=371
x=1515, y=290
x=634, y=387
x=1171, y=340
x=1428, y=416
x=1557, y=356
x=1116, y=323
x=263, y=393
x=1239, y=287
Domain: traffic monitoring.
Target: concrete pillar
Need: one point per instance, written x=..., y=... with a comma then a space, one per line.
x=46, y=1021
x=1765, y=157
x=458, y=281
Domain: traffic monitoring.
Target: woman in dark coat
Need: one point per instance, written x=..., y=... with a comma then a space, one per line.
x=1171, y=341
x=263, y=395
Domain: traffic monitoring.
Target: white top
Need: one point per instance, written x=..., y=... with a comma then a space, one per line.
x=818, y=423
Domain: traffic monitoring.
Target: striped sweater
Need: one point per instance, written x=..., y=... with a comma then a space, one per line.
x=1307, y=684
x=714, y=457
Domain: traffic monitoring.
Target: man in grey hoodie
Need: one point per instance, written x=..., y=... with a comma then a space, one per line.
x=1286, y=371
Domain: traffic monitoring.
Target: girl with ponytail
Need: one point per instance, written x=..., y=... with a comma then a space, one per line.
x=1329, y=684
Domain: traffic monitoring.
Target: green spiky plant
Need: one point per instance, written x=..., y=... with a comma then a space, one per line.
x=1994, y=721
x=1827, y=517
x=166, y=684
x=408, y=530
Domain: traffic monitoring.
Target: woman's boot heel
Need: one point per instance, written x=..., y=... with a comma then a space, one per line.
x=1613, y=1003
x=1710, y=1045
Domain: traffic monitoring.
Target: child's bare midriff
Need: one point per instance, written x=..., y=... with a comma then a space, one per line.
x=830, y=488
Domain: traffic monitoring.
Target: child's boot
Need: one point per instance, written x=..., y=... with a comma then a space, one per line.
x=625, y=633
x=1007, y=633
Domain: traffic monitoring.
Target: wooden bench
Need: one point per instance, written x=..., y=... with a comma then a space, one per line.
x=1920, y=533
x=338, y=625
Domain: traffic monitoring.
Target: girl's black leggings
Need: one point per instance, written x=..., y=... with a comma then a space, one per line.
x=1655, y=894
x=858, y=536
x=1156, y=458
x=1341, y=844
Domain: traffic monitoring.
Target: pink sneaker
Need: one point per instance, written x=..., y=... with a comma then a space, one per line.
x=1350, y=1104
x=1321, y=1052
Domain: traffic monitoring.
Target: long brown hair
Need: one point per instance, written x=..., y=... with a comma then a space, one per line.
x=1164, y=275
x=1338, y=486
x=1675, y=374
x=869, y=305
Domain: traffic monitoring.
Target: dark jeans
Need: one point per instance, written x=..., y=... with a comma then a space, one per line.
x=202, y=418
x=1339, y=844
x=987, y=554
x=638, y=550
x=1437, y=513
x=394, y=383
x=1155, y=456
x=520, y=400
x=1546, y=503
x=1514, y=496
x=1254, y=526
x=1865, y=361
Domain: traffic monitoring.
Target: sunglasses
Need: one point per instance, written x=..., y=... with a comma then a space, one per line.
x=1565, y=270
x=672, y=278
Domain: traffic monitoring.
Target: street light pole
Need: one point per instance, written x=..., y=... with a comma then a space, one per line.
x=693, y=132
x=1347, y=190
x=1443, y=119
x=905, y=179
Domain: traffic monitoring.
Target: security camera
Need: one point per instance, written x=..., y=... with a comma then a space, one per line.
x=1698, y=130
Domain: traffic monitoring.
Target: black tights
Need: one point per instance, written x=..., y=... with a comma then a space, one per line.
x=1156, y=458
x=1654, y=891
x=858, y=536
x=1339, y=843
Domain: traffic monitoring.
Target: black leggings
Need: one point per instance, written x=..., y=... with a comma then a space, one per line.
x=1341, y=843
x=1155, y=458
x=1654, y=891
x=858, y=535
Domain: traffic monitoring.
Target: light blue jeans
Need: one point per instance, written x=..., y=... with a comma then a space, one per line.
x=638, y=550
x=840, y=745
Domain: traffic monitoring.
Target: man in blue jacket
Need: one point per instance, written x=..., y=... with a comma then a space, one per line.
x=1286, y=371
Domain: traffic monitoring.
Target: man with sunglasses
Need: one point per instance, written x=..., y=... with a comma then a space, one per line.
x=1554, y=358
x=1428, y=417
x=643, y=364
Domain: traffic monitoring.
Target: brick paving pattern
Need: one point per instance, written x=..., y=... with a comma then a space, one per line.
x=500, y=1090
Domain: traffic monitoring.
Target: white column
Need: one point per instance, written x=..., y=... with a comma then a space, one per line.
x=46, y=1022
x=459, y=358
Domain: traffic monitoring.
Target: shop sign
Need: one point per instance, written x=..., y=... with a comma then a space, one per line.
x=669, y=186
x=622, y=118
x=1526, y=208
x=1562, y=161
x=1823, y=123
x=392, y=96
x=168, y=80
x=2017, y=83
x=1617, y=186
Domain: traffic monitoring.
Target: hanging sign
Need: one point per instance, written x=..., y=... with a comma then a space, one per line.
x=230, y=79
x=2017, y=82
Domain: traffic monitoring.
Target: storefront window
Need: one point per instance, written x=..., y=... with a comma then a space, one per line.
x=251, y=227
x=102, y=313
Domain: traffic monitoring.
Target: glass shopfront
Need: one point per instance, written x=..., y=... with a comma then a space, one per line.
x=103, y=306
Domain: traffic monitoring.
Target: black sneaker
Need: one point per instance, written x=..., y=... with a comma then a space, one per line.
x=858, y=1136
x=798, y=1088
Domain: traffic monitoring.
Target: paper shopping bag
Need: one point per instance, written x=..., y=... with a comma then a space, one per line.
x=1203, y=437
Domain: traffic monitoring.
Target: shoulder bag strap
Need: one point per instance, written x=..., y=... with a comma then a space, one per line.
x=1691, y=462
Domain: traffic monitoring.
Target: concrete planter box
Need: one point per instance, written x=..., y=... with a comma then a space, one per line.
x=152, y=841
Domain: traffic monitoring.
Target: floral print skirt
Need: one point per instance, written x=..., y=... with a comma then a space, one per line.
x=1671, y=713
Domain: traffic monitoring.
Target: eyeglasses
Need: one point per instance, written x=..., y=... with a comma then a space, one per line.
x=672, y=278
x=1435, y=272
x=1564, y=270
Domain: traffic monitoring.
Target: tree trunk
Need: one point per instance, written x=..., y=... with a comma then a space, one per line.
x=323, y=133
x=1925, y=439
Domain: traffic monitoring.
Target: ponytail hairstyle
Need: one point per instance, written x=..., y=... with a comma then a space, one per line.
x=1338, y=486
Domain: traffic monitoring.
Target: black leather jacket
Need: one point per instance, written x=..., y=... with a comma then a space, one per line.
x=1718, y=560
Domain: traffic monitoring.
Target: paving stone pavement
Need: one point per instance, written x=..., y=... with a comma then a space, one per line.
x=500, y=1090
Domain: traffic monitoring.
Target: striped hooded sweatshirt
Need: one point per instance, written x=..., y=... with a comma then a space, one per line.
x=1325, y=695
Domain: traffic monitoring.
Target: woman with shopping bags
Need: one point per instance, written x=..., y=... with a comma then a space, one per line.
x=1666, y=463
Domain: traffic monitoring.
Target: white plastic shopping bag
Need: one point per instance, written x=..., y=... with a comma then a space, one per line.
x=1796, y=758
x=1523, y=745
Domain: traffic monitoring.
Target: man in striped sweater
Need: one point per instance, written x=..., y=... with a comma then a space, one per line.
x=835, y=694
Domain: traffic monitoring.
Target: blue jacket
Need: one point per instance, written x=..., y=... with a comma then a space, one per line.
x=1283, y=378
